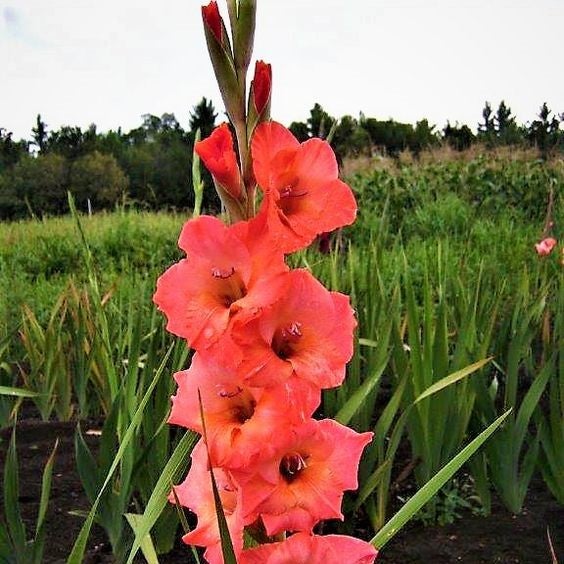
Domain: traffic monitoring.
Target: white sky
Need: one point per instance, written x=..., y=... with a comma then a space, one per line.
x=109, y=61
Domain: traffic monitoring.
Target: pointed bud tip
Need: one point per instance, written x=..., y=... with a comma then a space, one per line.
x=262, y=85
x=212, y=19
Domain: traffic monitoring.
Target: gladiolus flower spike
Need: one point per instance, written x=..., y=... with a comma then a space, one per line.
x=267, y=339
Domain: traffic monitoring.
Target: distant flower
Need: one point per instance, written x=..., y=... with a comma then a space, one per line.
x=302, y=548
x=303, y=194
x=545, y=247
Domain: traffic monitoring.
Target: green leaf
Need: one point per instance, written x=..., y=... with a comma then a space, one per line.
x=17, y=392
x=452, y=378
x=146, y=545
x=226, y=543
x=414, y=504
x=355, y=402
x=45, y=490
x=11, y=494
x=77, y=554
x=197, y=183
x=86, y=466
x=159, y=498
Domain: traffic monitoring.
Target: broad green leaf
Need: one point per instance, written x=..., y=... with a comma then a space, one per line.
x=415, y=503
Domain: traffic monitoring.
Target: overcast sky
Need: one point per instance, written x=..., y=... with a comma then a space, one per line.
x=109, y=61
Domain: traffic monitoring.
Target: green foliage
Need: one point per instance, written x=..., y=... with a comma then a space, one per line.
x=98, y=179
x=442, y=272
x=14, y=543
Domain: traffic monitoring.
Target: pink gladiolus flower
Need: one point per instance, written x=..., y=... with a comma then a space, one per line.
x=303, y=194
x=305, y=481
x=240, y=420
x=220, y=159
x=196, y=494
x=227, y=270
x=302, y=548
x=544, y=248
x=308, y=331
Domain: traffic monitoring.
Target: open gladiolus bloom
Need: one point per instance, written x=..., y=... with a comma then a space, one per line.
x=267, y=339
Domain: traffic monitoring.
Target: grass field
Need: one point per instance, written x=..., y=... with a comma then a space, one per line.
x=442, y=272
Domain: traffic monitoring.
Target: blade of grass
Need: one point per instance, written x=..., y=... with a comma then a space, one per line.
x=355, y=402
x=17, y=392
x=159, y=497
x=452, y=378
x=226, y=542
x=146, y=545
x=394, y=525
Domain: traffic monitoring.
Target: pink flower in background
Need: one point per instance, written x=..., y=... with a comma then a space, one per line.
x=544, y=248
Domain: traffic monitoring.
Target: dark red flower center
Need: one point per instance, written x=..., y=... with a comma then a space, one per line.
x=290, y=199
x=230, y=286
x=241, y=402
x=286, y=339
x=292, y=465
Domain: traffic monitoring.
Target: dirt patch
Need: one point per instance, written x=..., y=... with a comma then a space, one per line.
x=501, y=538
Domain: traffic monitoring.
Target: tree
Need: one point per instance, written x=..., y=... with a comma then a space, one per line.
x=41, y=183
x=98, y=178
x=39, y=134
x=389, y=135
x=299, y=130
x=202, y=117
x=350, y=139
x=458, y=137
x=486, y=130
x=319, y=122
x=544, y=132
x=10, y=151
x=424, y=136
x=70, y=141
x=507, y=131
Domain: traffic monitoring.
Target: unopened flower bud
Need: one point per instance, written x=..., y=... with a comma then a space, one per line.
x=220, y=159
x=260, y=94
x=221, y=57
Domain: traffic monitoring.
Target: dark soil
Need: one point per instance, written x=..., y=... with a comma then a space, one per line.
x=500, y=538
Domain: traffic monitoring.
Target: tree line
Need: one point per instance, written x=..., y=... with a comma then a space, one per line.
x=150, y=166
